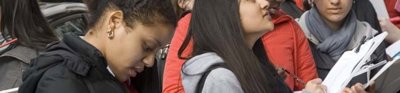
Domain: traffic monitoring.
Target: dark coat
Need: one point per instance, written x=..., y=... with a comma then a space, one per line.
x=70, y=66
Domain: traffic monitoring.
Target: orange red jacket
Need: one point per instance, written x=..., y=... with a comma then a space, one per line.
x=286, y=47
x=390, y=6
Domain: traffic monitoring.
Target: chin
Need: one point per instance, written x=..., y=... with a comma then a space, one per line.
x=122, y=79
x=336, y=18
x=270, y=27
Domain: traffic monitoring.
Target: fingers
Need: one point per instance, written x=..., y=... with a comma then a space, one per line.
x=358, y=88
x=316, y=81
x=346, y=90
x=316, y=86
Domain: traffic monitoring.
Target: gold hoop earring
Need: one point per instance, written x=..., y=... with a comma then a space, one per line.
x=110, y=34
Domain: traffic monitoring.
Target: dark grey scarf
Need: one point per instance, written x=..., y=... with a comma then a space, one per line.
x=333, y=43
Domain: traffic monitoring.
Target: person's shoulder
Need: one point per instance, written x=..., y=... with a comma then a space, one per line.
x=364, y=29
x=222, y=80
x=200, y=63
x=58, y=70
x=221, y=75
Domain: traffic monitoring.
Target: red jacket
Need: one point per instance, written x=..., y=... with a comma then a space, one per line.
x=390, y=4
x=287, y=47
x=299, y=3
x=283, y=43
x=172, y=81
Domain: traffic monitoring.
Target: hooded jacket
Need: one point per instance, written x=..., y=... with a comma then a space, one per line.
x=219, y=80
x=70, y=66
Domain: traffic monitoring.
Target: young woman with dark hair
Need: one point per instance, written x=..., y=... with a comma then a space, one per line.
x=332, y=27
x=223, y=33
x=24, y=33
x=286, y=47
x=122, y=40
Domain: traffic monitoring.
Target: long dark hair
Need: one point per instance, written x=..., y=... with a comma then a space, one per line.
x=216, y=27
x=23, y=19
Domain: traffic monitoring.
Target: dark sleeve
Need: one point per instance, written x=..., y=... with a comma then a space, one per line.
x=60, y=80
x=365, y=12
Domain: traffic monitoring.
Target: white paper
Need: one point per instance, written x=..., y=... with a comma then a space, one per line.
x=350, y=63
x=393, y=49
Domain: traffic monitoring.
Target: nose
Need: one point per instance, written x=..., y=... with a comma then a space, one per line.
x=334, y=2
x=264, y=4
x=149, y=60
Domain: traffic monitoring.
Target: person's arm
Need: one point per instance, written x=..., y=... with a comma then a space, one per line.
x=221, y=80
x=393, y=31
x=172, y=81
x=306, y=69
x=60, y=80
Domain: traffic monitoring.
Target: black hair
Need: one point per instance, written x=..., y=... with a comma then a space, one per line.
x=178, y=10
x=306, y=5
x=216, y=27
x=144, y=11
x=22, y=19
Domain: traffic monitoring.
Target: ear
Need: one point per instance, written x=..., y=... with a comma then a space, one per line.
x=116, y=20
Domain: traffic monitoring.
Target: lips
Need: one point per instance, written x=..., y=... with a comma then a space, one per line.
x=334, y=10
x=139, y=69
x=267, y=15
x=134, y=71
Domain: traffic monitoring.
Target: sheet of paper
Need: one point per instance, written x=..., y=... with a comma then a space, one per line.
x=376, y=41
x=349, y=63
x=380, y=72
x=393, y=49
x=393, y=52
x=341, y=71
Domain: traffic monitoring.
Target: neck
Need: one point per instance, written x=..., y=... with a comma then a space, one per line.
x=251, y=38
x=335, y=26
x=92, y=37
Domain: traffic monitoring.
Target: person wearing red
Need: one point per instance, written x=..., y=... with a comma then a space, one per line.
x=172, y=81
x=393, y=14
x=299, y=3
x=287, y=48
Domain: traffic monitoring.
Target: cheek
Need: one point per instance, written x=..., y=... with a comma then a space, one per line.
x=126, y=52
x=132, y=51
x=253, y=21
x=249, y=17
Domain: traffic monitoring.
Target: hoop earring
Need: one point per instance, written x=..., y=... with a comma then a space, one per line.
x=110, y=34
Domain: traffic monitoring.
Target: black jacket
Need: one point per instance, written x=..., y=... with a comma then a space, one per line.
x=70, y=66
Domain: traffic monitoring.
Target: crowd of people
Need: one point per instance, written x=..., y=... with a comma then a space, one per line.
x=213, y=46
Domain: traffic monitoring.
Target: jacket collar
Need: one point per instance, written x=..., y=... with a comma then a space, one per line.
x=281, y=17
x=86, y=52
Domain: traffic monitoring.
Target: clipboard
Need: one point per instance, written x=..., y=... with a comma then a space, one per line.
x=351, y=64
